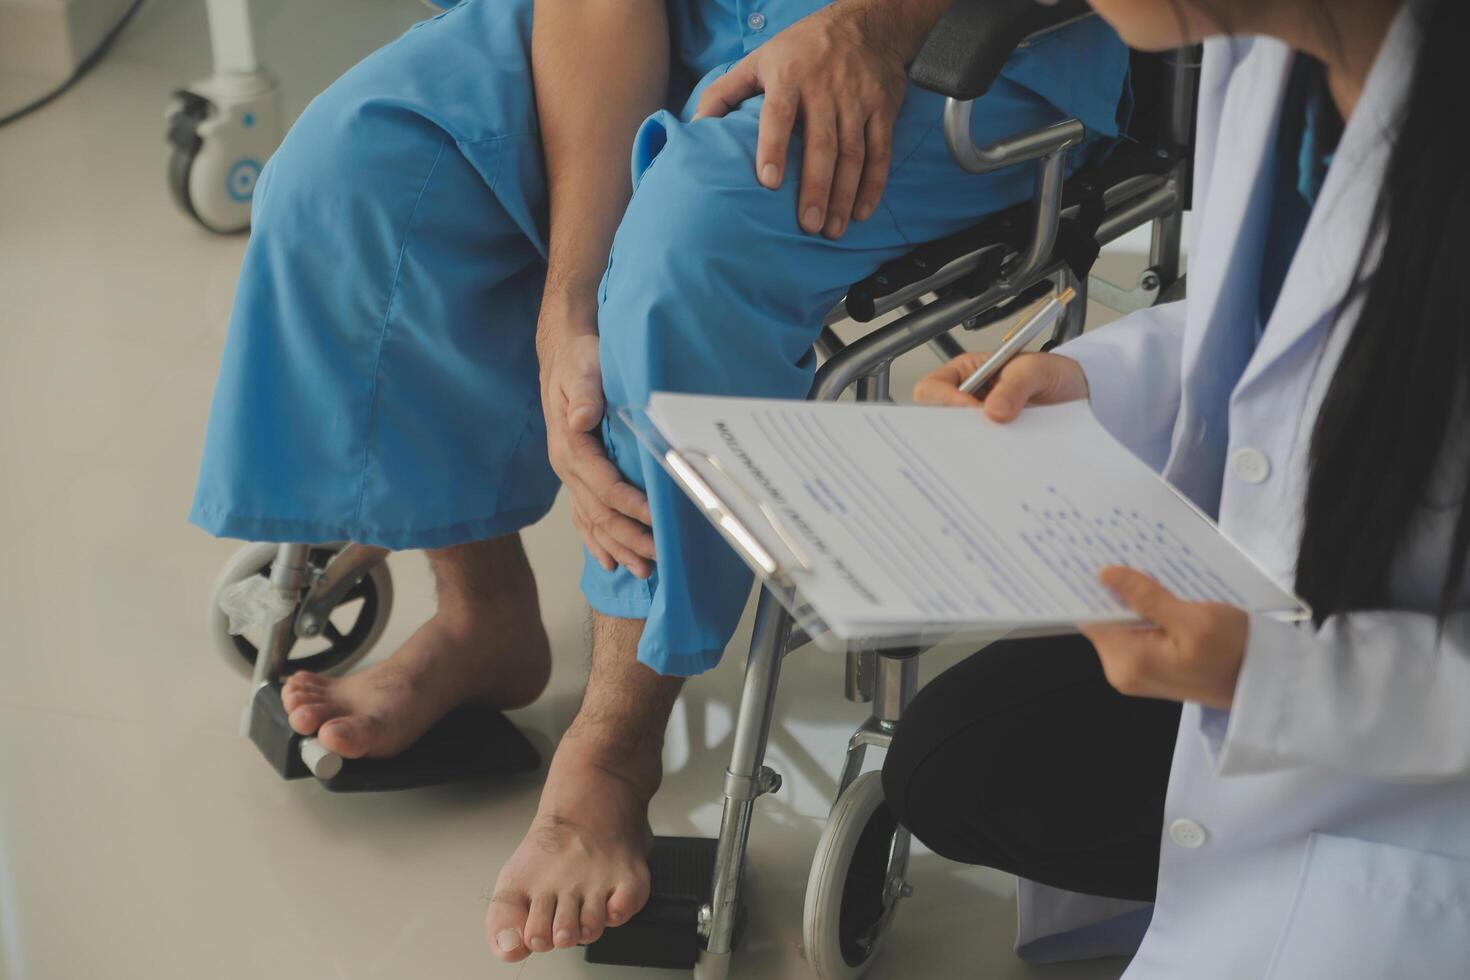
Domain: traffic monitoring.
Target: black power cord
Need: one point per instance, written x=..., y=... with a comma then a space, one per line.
x=84, y=66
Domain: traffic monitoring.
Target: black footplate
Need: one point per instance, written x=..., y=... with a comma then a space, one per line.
x=471, y=742
x=666, y=933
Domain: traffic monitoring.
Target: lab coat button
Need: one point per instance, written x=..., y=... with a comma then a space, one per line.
x=756, y=22
x=1251, y=465
x=1187, y=833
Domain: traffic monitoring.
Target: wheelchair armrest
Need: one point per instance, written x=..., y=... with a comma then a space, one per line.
x=965, y=51
x=1129, y=174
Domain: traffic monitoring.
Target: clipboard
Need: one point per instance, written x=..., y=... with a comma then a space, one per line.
x=773, y=550
x=755, y=507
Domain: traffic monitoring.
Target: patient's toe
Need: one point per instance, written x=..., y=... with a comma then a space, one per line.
x=566, y=927
x=307, y=718
x=538, y=923
x=594, y=916
x=295, y=697
x=349, y=737
x=505, y=925
x=627, y=899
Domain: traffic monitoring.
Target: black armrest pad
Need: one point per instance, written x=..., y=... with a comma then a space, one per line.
x=964, y=53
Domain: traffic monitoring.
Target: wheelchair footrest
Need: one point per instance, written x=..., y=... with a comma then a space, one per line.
x=471, y=742
x=666, y=932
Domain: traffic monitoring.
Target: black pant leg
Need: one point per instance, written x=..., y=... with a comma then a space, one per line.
x=1023, y=758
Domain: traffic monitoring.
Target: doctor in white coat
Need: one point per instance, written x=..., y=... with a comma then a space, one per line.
x=1312, y=393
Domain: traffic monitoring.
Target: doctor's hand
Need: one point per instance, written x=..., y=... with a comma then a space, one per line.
x=840, y=73
x=611, y=514
x=1029, y=379
x=1193, y=652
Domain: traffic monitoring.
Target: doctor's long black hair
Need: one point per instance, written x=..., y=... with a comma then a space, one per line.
x=1395, y=411
x=1393, y=421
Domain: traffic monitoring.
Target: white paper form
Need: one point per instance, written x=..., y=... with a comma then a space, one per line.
x=938, y=519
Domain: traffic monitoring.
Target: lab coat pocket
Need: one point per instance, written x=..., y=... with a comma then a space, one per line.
x=1366, y=911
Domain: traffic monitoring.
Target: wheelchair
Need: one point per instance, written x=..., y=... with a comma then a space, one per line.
x=330, y=602
x=967, y=281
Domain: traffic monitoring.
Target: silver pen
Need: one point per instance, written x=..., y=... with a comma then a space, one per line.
x=1016, y=340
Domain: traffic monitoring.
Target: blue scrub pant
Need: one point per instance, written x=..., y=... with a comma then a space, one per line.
x=379, y=381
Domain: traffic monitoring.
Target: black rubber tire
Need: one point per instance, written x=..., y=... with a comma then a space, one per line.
x=180, y=165
x=847, y=915
x=345, y=648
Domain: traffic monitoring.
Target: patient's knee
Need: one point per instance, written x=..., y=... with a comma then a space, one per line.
x=697, y=264
x=349, y=162
x=698, y=213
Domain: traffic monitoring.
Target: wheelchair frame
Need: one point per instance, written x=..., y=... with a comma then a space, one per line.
x=889, y=679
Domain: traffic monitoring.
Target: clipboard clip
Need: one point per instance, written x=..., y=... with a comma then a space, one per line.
x=726, y=519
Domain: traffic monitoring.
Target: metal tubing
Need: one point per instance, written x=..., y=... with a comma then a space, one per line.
x=270, y=660
x=344, y=571
x=898, y=679
x=288, y=575
x=828, y=343
x=1138, y=211
x=1046, y=215
x=1166, y=243
x=899, y=337
x=852, y=767
x=872, y=732
x=1074, y=320
x=858, y=682
x=1008, y=152
x=752, y=729
x=874, y=387
x=1180, y=78
x=946, y=346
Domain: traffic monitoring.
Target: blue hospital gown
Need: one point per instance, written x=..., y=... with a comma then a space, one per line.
x=379, y=380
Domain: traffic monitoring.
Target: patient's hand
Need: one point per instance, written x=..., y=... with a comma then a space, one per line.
x=840, y=72
x=1029, y=379
x=611, y=514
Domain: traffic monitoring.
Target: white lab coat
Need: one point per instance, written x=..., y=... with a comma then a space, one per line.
x=1321, y=828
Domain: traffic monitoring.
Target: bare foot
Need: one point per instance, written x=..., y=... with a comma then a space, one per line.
x=583, y=865
x=486, y=643
x=450, y=660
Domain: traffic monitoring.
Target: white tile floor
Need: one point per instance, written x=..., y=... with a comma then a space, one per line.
x=140, y=837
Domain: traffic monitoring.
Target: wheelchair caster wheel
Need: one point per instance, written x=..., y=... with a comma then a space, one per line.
x=851, y=897
x=353, y=627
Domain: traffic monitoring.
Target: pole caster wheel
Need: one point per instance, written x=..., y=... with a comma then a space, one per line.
x=220, y=133
x=855, y=883
x=354, y=626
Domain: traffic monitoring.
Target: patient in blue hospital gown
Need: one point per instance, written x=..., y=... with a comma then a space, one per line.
x=381, y=381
